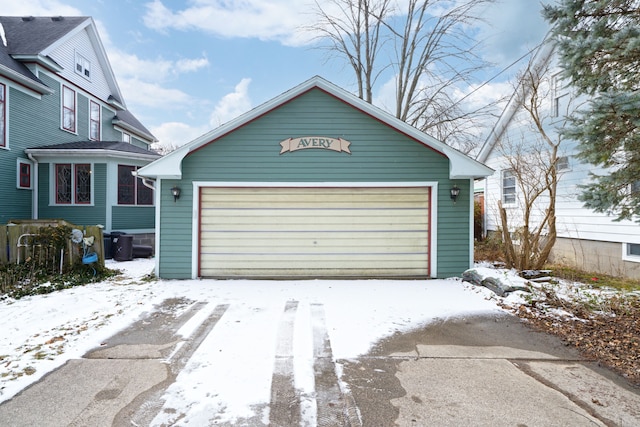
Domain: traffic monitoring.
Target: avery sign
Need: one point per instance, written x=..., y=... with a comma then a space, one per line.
x=319, y=142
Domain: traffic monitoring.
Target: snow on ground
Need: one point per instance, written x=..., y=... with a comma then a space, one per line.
x=40, y=333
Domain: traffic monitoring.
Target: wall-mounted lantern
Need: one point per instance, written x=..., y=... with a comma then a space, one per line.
x=455, y=192
x=175, y=192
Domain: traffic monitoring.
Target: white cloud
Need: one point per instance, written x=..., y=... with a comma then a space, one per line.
x=143, y=81
x=232, y=104
x=151, y=94
x=37, y=8
x=176, y=134
x=273, y=20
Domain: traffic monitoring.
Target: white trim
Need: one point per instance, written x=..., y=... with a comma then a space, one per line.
x=53, y=180
x=460, y=165
x=20, y=161
x=625, y=253
x=6, y=115
x=156, y=194
x=75, y=108
x=81, y=60
x=195, y=210
x=91, y=101
x=472, y=217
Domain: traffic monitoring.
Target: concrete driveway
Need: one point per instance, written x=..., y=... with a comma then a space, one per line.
x=480, y=371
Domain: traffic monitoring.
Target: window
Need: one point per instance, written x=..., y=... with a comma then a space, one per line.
x=24, y=174
x=73, y=184
x=631, y=252
x=562, y=164
x=68, y=109
x=83, y=66
x=94, y=121
x=131, y=190
x=508, y=187
x=3, y=120
x=560, y=95
x=126, y=138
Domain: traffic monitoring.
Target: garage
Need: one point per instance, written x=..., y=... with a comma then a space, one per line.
x=302, y=232
x=313, y=184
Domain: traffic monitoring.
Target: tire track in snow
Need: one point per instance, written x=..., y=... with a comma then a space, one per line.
x=334, y=406
x=285, y=400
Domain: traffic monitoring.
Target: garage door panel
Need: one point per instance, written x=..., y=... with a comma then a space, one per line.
x=312, y=273
x=234, y=244
x=326, y=263
x=287, y=232
x=326, y=215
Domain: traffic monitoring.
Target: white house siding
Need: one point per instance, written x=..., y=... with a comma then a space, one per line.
x=582, y=233
x=65, y=55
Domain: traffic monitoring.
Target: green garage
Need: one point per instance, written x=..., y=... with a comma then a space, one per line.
x=315, y=183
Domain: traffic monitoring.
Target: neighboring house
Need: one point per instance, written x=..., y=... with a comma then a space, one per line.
x=314, y=183
x=586, y=240
x=68, y=144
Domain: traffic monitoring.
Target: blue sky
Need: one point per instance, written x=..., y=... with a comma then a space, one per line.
x=187, y=66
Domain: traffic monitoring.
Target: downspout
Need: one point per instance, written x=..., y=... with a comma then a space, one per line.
x=149, y=183
x=34, y=183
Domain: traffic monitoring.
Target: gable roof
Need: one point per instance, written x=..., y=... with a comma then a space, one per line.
x=32, y=39
x=460, y=165
x=539, y=61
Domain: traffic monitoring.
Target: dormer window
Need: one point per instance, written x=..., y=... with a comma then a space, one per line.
x=83, y=66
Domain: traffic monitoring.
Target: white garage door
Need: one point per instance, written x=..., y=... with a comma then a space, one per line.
x=314, y=232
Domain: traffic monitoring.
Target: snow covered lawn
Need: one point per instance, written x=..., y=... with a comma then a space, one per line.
x=40, y=333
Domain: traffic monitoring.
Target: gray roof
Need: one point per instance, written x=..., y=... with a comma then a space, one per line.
x=131, y=120
x=7, y=61
x=31, y=35
x=120, y=146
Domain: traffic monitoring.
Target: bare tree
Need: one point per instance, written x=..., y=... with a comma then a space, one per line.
x=428, y=48
x=534, y=165
x=353, y=28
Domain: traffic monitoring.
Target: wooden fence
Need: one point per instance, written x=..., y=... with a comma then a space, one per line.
x=21, y=241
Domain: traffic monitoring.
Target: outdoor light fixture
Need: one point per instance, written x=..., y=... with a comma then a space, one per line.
x=175, y=191
x=455, y=192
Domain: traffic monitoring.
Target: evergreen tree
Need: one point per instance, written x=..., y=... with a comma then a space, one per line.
x=598, y=42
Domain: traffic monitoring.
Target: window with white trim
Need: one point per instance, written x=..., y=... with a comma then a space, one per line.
x=560, y=94
x=631, y=252
x=508, y=187
x=3, y=115
x=23, y=174
x=131, y=190
x=73, y=184
x=94, y=121
x=68, y=109
x=126, y=137
x=83, y=66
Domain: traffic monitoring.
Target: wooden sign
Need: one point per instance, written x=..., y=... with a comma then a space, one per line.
x=318, y=142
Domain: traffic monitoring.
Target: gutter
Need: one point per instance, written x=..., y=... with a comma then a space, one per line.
x=147, y=182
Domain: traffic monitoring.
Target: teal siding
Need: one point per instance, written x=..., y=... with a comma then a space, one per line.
x=133, y=217
x=108, y=132
x=76, y=214
x=139, y=143
x=453, y=230
x=252, y=153
x=175, y=240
